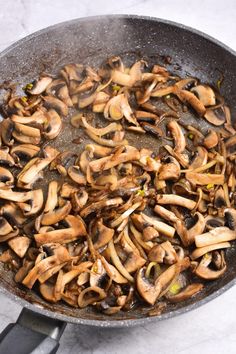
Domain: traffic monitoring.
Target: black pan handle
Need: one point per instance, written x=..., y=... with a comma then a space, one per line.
x=32, y=333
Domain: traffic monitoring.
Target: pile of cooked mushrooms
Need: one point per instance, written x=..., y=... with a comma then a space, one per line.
x=116, y=226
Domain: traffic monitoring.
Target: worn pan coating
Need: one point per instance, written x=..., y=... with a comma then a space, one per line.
x=90, y=40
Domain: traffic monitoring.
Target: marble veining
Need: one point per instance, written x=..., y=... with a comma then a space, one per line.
x=211, y=328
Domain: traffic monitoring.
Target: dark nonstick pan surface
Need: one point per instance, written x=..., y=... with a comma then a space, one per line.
x=90, y=41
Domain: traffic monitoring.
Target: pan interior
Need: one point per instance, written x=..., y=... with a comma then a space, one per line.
x=90, y=41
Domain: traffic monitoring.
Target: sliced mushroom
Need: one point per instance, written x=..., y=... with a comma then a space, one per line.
x=175, y=200
x=31, y=170
x=6, y=178
x=163, y=253
x=108, y=162
x=151, y=292
x=75, y=230
x=199, y=252
x=94, y=207
x=150, y=233
x=202, y=179
x=230, y=218
x=76, y=175
x=26, y=134
x=170, y=170
x=211, y=140
x=163, y=228
x=188, y=97
x=217, y=235
x=56, y=104
x=5, y=157
x=197, y=228
x=79, y=200
x=58, y=255
x=56, y=215
x=90, y=295
x=178, y=136
x=205, y=94
x=24, y=151
x=215, y=116
x=219, y=199
x=38, y=117
x=40, y=85
x=35, y=198
x=165, y=213
x=200, y=158
x=7, y=128
x=102, y=234
x=5, y=227
x=203, y=271
x=97, y=274
x=19, y=245
x=52, y=197
x=53, y=126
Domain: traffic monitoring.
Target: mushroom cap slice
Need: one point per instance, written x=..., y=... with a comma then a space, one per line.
x=76, y=175
x=188, y=97
x=19, y=245
x=215, y=116
x=230, y=218
x=5, y=157
x=56, y=104
x=53, y=126
x=203, y=271
x=205, y=94
x=6, y=178
x=178, y=136
x=56, y=215
x=202, y=179
x=103, y=234
x=40, y=85
x=199, y=252
x=75, y=230
x=211, y=140
x=217, y=235
x=175, y=200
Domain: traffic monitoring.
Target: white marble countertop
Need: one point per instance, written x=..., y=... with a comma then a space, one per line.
x=210, y=329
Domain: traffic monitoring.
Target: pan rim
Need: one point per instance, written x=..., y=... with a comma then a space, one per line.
x=115, y=322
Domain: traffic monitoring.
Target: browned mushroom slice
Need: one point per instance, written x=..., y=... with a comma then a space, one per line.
x=52, y=197
x=165, y=213
x=5, y=227
x=12, y=213
x=197, y=226
x=55, y=103
x=79, y=200
x=67, y=190
x=53, y=126
x=144, y=220
x=175, y=200
x=76, y=175
x=30, y=171
x=108, y=162
x=163, y=253
x=202, y=179
x=200, y=158
x=189, y=291
x=24, y=151
x=38, y=117
x=75, y=230
x=178, y=136
x=170, y=170
x=199, y=252
x=56, y=215
x=40, y=85
x=150, y=233
x=5, y=157
x=112, y=127
x=203, y=271
x=102, y=234
x=230, y=218
x=100, y=102
x=215, y=116
x=94, y=207
x=90, y=295
x=59, y=254
x=35, y=198
x=188, y=97
x=217, y=235
x=151, y=292
x=105, y=142
x=7, y=128
x=26, y=134
x=211, y=140
x=205, y=94
x=47, y=292
x=19, y=245
x=148, y=162
x=6, y=178
x=72, y=72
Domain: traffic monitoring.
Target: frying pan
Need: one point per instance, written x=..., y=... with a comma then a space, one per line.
x=89, y=41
